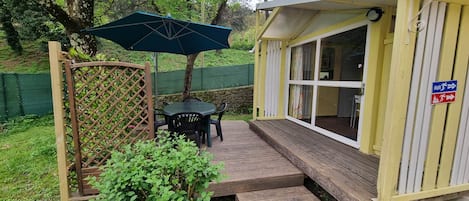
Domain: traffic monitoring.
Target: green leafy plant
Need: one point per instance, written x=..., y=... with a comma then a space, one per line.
x=170, y=168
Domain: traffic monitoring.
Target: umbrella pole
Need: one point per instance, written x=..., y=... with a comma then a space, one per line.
x=155, y=84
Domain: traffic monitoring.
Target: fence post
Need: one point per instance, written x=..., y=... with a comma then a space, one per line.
x=202, y=78
x=56, y=76
x=20, y=94
x=5, y=101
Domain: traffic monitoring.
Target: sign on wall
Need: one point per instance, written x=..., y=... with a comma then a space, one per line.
x=444, y=91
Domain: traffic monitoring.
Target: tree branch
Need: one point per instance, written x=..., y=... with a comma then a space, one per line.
x=218, y=17
x=60, y=15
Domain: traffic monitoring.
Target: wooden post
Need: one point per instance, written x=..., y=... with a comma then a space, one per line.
x=455, y=109
x=281, y=94
x=261, y=78
x=398, y=95
x=374, y=81
x=255, y=101
x=55, y=57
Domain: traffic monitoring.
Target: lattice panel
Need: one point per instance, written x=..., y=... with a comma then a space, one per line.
x=110, y=106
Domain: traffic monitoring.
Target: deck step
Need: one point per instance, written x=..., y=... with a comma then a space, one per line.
x=341, y=170
x=297, y=193
x=250, y=163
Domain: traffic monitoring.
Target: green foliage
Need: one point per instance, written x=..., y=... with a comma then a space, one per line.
x=172, y=62
x=80, y=56
x=238, y=16
x=172, y=168
x=29, y=22
x=21, y=124
x=244, y=40
x=198, y=10
x=12, y=35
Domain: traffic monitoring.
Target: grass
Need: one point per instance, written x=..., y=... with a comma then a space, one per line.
x=232, y=116
x=35, y=60
x=28, y=168
x=28, y=163
x=171, y=62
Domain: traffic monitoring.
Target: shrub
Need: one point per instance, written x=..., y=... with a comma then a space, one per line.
x=168, y=169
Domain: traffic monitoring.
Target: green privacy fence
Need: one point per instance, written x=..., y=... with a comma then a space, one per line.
x=206, y=78
x=30, y=94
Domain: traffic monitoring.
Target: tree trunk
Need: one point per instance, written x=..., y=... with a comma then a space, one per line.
x=80, y=15
x=188, y=76
x=220, y=11
x=12, y=35
x=191, y=58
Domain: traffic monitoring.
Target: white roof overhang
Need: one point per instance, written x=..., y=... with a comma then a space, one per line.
x=325, y=4
x=294, y=16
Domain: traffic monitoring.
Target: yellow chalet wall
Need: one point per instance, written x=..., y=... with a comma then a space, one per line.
x=315, y=26
x=415, y=163
x=424, y=151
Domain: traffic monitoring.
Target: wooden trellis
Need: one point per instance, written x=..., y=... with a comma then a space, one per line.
x=110, y=106
x=99, y=107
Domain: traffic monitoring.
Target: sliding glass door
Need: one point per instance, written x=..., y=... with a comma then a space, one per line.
x=325, y=87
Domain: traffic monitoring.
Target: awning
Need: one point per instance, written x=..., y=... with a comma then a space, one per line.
x=325, y=4
x=301, y=16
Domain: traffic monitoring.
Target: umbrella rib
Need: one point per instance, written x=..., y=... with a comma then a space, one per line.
x=123, y=25
x=156, y=31
x=132, y=46
x=180, y=46
x=183, y=27
x=223, y=45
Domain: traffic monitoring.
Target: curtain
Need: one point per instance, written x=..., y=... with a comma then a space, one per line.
x=308, y=72
x=296, y=92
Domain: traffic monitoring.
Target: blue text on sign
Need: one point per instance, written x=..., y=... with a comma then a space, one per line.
x=444, y=86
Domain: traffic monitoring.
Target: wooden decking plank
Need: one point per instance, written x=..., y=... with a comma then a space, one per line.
x=341, y=170
x=341, y=159
x=345, y=154
x=350, y=159
x=250, y=163
x=297, y=193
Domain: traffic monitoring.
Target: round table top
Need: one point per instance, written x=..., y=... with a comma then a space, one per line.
x=200, y=107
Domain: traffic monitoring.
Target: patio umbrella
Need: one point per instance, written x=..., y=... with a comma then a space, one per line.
x=143, y=31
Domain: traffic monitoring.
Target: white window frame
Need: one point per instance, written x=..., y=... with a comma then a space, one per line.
x=319, y=83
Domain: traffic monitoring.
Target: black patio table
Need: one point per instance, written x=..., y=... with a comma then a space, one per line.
x=204, y=108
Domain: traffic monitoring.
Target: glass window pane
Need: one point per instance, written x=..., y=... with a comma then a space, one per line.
x=342, y=55
x=300, y=102
x=302, y=61
x=337, y=111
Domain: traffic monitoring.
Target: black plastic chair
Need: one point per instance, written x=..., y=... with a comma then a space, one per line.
x=160, y=119
x=191, y=99
x=217, y=122
x=188, y=124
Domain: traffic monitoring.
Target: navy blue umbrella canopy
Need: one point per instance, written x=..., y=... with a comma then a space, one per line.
x=143, y=31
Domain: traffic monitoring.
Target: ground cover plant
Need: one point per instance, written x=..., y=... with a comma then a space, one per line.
x=170, y=168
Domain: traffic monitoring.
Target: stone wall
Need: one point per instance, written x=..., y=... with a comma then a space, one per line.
x=239, y=99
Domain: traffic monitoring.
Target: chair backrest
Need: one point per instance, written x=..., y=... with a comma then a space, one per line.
x=187, y=123
x=221, y=110
x=191, y=99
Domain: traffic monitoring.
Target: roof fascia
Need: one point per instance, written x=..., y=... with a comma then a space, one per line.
x=269, y=21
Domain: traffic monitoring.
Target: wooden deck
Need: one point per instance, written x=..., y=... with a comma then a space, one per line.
x=341, y=170
x=250, y=163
